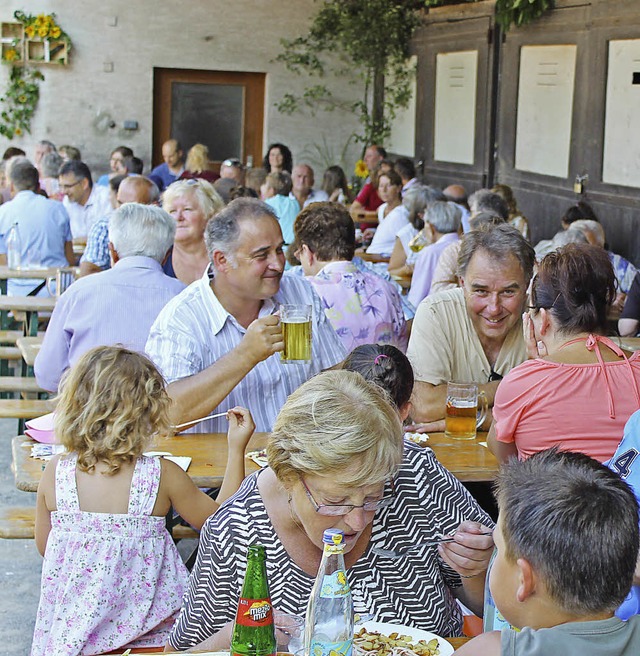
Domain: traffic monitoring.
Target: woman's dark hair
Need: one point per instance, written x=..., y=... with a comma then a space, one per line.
x=581, y=210
x=577, y=285
x=334, y=178
x=386, y=366
x=287, y=159
x=394, y=178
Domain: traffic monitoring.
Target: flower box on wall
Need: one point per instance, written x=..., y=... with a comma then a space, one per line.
x=12, y=41
x=47, y=51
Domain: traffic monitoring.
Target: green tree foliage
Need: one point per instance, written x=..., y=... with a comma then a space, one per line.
x=366, y=39
x=520, y=12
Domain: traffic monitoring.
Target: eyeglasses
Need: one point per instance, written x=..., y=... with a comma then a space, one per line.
x=232, y=162
x=66, y=187
x=338, y=510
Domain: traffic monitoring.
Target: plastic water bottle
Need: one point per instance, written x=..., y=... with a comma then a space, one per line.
x=329, y=620
x=14, y=248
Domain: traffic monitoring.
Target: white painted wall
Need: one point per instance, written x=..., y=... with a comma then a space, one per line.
x=238, y=35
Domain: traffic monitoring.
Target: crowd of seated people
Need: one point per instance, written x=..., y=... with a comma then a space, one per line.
x=184, y=271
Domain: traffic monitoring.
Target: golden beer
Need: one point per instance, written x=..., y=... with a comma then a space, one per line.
x=460, y=419
x=297, y=340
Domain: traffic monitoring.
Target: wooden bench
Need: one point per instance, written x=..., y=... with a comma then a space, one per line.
x=20, y=385
x=17, y=523
x=24, y=408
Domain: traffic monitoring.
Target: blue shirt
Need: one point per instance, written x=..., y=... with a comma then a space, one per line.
x=44, y=230
x=286, y=210
x=97, y=248
x=111, y=307
x=162, y=176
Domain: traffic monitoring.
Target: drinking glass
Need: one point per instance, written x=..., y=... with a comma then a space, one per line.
x=296, y=332
x=462, y=415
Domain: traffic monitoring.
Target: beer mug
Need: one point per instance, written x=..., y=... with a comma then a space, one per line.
x=296, y=332
x=466, y=410
x=63, y=279
x=418, y=242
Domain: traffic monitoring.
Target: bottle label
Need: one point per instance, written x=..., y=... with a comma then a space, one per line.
x=331, y=648
x=254, y=612
x=334, y=586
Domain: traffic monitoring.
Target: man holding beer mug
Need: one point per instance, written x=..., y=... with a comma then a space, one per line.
x=472, y=334
x=218, y=343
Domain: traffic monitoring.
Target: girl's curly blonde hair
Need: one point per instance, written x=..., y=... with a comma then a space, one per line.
x=111, y=404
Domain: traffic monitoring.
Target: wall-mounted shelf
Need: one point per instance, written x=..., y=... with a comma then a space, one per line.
x=12, y=38
x=32, y=51
x=46, y=51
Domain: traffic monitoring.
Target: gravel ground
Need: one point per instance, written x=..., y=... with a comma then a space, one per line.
x=20, y=563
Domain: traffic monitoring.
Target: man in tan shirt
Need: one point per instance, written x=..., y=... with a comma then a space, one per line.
x=473, y=333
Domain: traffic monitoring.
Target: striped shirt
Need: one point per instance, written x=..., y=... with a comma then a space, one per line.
x=193, y=331
x=413, y=591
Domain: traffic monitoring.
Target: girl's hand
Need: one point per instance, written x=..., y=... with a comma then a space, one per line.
x=241, y=428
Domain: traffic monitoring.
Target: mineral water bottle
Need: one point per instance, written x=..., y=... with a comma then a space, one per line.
x=492, y=617
x=329, y=621
x=253, y=631
x=14, y=248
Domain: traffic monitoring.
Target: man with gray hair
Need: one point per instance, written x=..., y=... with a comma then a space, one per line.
x=133, y=189
x=43, y=224
x=441, y=226
x=116, y=306
x=218, y=343
x=472, y=334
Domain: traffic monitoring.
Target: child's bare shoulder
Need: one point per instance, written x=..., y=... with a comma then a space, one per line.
x=486, y=644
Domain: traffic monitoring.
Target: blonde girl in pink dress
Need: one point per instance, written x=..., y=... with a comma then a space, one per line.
x=112, y=576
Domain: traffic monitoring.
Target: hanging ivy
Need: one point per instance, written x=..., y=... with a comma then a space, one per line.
x=19, y=101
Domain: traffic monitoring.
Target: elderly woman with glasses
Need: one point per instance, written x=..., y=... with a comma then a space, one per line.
x=337, y=460
x=191, y=203
x=579, y=388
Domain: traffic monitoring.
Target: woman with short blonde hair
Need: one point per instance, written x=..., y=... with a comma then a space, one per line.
x=191, y=203
x=337, y=460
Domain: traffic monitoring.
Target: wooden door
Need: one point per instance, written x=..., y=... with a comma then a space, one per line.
x=455, y=104
x=223, y=110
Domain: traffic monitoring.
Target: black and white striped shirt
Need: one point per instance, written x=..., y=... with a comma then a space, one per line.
x=413, y=591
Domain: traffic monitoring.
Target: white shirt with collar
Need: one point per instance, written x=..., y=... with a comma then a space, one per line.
x=315, y=196
x=84, y=216
x=194, y=330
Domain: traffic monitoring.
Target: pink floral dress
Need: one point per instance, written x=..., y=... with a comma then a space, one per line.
x=107, y=580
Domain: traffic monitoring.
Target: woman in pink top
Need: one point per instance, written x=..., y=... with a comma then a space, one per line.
x=580, y=388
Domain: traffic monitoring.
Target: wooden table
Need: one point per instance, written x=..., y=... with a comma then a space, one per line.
x=404, y=281
x=371, y=257
x=208, y=452
x=467, y=460
x=29, y=304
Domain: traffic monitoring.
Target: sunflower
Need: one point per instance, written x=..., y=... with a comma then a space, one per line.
x=55, y=32
x=18, y=132
x=30, y=31
x=11, y=55
x=361, y=169
x=43, y=31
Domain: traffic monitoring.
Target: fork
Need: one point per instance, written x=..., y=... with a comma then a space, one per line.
x=401, y=553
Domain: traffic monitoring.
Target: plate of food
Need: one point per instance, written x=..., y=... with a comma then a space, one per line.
x=381, y=639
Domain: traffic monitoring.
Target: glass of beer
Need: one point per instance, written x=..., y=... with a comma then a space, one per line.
x=296, y=332
x=462, y=417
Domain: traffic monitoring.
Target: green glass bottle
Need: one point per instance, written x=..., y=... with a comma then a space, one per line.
x=253, y=632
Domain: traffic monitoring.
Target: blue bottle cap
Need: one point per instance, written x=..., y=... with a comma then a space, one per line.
x=333, y=536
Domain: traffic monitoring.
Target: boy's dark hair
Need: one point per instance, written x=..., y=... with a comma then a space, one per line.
x=576, y=522
x=386, y=366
